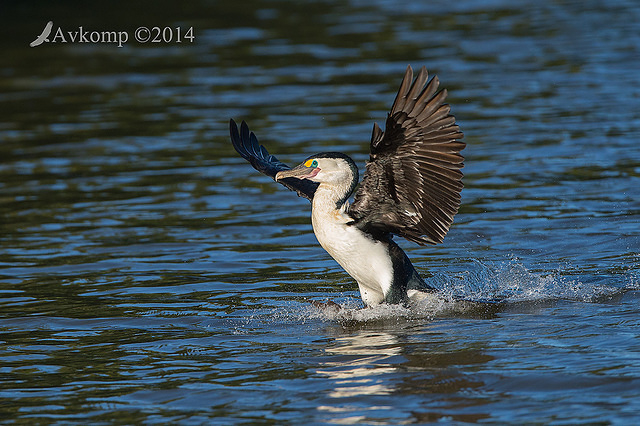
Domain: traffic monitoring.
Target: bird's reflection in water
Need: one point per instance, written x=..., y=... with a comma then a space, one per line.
x=368, y=371
x=359, y=361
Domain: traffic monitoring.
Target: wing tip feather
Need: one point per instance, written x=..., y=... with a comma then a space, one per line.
x=247, y=145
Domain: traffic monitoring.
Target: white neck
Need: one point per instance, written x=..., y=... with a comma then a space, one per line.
x=365, y=259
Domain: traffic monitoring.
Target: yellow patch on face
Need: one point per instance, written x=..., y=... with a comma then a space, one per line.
x=308, y=163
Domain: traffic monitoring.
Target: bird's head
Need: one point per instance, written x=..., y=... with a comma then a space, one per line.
x=334, y=171
x=332, y=168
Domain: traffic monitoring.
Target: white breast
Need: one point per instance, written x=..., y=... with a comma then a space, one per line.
x=366, y=260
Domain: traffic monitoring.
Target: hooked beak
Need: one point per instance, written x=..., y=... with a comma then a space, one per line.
x=298, y=172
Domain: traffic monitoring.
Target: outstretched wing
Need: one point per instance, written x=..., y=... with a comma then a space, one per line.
x=412, y=183
x=246, y=143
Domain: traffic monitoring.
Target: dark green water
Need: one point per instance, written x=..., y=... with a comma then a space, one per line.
x=150, y=275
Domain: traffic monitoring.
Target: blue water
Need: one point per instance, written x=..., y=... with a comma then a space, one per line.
x=150, y=275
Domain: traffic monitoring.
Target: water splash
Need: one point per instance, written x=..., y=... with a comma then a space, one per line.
x=512, y=281
x=481, y=290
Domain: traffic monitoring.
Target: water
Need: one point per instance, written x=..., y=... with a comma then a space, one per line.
x=149, y=275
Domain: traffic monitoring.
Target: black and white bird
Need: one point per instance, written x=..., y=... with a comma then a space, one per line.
x=411, y=188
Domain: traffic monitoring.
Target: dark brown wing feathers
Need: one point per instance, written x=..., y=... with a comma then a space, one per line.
x=413, y=180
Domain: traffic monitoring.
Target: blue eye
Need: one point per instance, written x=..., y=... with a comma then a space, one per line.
x=314, y=163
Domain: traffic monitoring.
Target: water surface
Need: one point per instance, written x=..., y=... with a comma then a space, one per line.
x=149, y=275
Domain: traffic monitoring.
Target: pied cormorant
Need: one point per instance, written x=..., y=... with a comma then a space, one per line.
x=411, y=188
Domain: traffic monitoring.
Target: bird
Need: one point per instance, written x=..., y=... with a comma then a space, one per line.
x=411, y=188
x=44, y=36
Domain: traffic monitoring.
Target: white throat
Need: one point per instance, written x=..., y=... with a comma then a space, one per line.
x=366, y=260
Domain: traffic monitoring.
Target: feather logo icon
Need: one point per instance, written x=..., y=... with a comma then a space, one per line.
x=44, y=36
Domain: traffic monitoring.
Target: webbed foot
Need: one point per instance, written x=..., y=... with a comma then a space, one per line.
x=328, y=306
